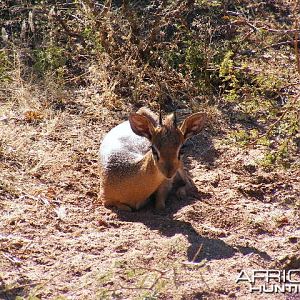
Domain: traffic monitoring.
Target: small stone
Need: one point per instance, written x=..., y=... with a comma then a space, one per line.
x=293, y=239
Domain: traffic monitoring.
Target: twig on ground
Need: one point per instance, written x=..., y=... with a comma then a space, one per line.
x=38, y=199
x=161, y=275
x=280, y=44
x=193, y=261
x=21, y=286
x=175, y=277
x=11, y=258
x=197, y=253
x=153, y=270
x=243, y=20
x=296, y=39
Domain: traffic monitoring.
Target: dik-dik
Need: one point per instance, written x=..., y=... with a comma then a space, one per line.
x=142, y=156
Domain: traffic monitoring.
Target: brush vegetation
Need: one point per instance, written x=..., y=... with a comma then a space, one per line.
x=238, y=56
x=71, y=70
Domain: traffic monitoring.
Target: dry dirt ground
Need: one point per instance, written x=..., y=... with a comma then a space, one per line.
x=58, y=242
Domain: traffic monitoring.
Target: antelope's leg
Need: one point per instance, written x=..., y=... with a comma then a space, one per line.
x=182, y=192
x=118, y=205
x=161, y=194
x=185, y=177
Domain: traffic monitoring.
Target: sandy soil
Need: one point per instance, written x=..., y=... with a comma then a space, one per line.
x=58, y=242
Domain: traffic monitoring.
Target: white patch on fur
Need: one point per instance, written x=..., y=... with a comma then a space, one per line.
x=122, y=142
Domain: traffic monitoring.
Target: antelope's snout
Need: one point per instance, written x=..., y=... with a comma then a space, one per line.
x=169, y=168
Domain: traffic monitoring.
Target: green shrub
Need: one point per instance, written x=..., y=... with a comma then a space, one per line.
x=5, y=66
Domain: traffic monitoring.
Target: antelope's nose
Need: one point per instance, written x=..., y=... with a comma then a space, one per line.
x=170, y=171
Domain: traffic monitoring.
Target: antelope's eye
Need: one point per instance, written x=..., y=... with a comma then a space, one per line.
x=181, y=151
x=155, y=153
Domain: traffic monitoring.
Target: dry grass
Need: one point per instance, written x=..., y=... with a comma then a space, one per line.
x=58, y=242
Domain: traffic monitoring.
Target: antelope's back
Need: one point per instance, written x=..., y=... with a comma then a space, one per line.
x=121, y=150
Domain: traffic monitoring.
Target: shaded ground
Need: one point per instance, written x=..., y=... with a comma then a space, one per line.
x=56, y=240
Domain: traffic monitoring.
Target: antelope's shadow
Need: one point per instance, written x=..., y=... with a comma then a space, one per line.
x=202, y=150
x=211, y=248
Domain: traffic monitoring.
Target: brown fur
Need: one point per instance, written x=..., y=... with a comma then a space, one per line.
x=128, y=184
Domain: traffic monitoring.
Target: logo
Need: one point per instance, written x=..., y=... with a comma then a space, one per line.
x=271, y=281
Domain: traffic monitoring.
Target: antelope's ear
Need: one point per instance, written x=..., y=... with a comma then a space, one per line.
x=193, y=124
x=141, y=125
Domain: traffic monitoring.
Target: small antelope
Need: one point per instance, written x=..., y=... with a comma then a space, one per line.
x=142, y=156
